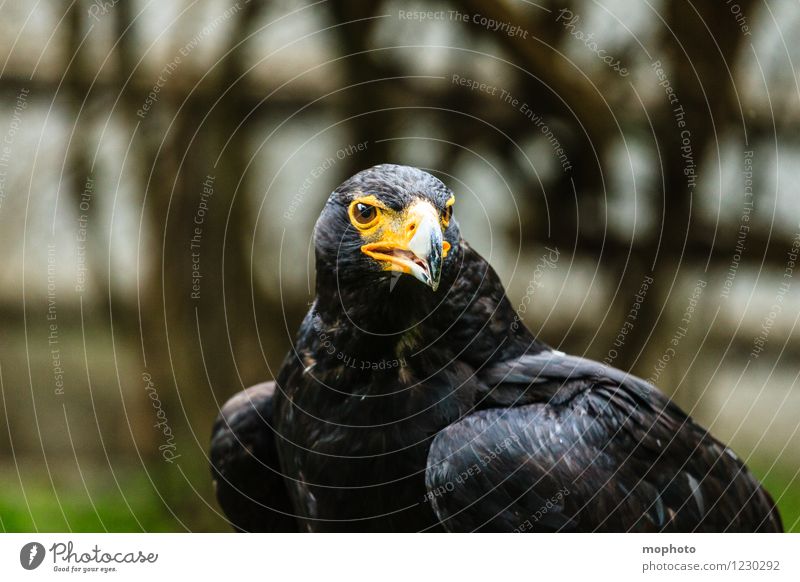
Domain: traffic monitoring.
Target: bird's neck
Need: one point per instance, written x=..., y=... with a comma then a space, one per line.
x=386, y=320
x=402, y=320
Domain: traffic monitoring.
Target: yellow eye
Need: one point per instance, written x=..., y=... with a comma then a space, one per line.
x=363, y=215
x=448, y=211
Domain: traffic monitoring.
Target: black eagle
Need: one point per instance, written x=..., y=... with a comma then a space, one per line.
x=422, y=403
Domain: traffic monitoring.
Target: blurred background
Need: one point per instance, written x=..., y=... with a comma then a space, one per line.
x=630, y=168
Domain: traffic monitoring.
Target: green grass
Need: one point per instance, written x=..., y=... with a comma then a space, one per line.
x=784, y=486
x=141, y=508
x=135, y=505
x=73, y=510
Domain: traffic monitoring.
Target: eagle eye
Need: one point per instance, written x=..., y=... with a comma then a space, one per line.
x=363, y=215
x=447, y=215
x=448, y=211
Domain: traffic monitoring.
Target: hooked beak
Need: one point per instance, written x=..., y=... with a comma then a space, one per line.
x=413, y=245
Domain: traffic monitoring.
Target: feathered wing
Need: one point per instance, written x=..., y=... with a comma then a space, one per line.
x=567, y=444
x=244, y=464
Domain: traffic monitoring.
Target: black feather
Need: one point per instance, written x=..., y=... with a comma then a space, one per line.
x=244, y=464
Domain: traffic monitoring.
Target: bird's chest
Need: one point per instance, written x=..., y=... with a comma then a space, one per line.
x=366, y=398
x=357, y=443
x=367, y=413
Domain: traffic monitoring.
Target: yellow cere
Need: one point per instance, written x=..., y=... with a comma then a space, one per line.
x=392, y=230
